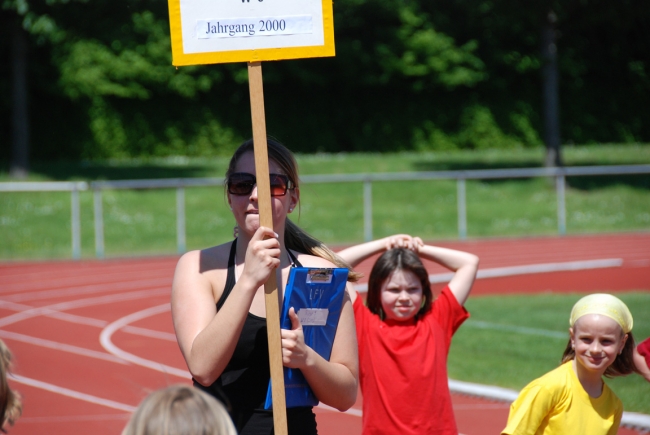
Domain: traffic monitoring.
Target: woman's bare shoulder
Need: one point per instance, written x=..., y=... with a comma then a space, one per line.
x=206, y=260
x=202, y=270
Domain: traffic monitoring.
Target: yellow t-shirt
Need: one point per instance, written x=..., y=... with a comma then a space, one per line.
x=557, y=404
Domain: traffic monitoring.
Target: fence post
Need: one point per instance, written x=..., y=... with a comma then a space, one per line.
x=180, y=220
x=99, y=223
x=367, y=210
x=560, y=184
x=75, y=223
x=462, y=209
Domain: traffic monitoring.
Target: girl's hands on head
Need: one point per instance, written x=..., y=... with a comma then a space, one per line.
x=358, y=253
x=262, y=257
x=295, y=353
x=404, y=241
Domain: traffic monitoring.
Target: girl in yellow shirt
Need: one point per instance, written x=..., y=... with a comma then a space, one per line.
x=573, y=399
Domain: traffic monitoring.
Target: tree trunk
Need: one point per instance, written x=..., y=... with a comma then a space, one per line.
x=551, y=93
x=20, y=115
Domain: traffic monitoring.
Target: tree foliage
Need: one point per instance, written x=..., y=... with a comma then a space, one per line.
x=408, y=74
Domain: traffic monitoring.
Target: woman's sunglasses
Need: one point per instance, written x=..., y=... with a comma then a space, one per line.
x=241, y=183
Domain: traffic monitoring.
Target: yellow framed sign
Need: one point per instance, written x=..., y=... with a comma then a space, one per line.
x=221, y=31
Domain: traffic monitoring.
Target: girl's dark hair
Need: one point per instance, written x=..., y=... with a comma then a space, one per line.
x=387, y=263
x=623, y=364
x=295, y=238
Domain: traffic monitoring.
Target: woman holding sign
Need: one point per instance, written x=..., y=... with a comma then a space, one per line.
x=218, y=305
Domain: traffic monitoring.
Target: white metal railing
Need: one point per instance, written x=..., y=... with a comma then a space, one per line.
x=180, y=184
x=56, y=186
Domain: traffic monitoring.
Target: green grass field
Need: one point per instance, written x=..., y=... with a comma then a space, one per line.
x=37, y=225
x=511, y=340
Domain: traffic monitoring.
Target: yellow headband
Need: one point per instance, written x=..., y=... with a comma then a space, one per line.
x=607, y=305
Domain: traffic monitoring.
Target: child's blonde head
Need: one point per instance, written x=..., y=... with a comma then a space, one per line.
x=180, y=410
x=612, y=307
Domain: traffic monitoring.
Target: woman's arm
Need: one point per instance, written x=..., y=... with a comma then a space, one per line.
x=207, y=338
x=334, y=382
x=464, y=264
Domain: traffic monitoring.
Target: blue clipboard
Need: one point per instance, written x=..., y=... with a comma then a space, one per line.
x=317, y=297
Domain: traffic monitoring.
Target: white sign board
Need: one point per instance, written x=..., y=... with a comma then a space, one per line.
x=218, y=31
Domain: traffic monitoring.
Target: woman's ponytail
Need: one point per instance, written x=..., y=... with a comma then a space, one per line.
x=297, y=239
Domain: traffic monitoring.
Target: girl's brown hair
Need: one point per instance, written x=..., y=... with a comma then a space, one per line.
x=295, y=238
x=623, y=364
x=10, y=403
x=387, y=263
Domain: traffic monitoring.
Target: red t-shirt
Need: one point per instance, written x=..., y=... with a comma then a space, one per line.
x=403, y=369
x=644, y=350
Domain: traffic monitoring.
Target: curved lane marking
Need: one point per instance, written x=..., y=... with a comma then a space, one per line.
x=106, y=334
x=61, y=346
x=73, y=318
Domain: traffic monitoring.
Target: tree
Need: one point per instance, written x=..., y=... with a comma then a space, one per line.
x=550, y=90
x=407, y=75
x=20, y=118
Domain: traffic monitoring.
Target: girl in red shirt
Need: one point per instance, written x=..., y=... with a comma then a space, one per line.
x=404, y=335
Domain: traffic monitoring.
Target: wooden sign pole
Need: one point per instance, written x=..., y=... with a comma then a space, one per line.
x=271, y=293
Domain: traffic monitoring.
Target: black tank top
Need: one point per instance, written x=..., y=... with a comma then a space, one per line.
x=244, y=381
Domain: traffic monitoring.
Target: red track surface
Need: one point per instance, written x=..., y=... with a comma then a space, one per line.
x=53, y=316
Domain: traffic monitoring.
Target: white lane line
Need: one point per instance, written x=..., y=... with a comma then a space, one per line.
x=487, y=391
x=79, y=320
x=89, y=289
x=161, y=335
x=105, y=340
x=71, y=393
x=549, y=267
x=66, y=317
x=49, y=309
x=61, y=346
x=528, y=269
x=636, y=420
x=518, y=329
x=73, y=318
x=74, y=418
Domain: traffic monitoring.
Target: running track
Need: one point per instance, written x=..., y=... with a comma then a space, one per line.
x=92, y=338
